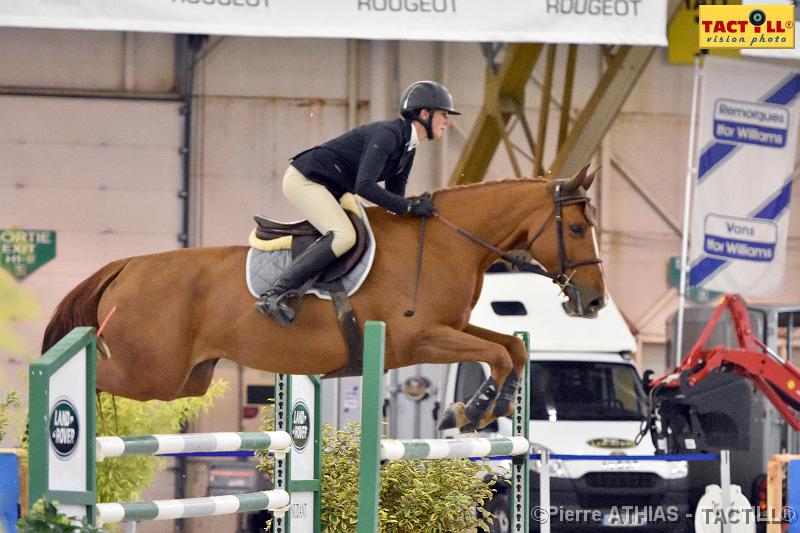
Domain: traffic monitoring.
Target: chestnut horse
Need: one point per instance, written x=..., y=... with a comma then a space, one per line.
x=179, y=312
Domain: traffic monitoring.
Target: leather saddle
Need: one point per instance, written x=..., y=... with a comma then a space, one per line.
x=303, y=234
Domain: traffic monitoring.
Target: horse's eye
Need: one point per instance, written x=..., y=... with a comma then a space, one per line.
x=577, y=229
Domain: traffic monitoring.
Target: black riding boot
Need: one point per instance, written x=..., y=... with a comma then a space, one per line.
x=309, y=263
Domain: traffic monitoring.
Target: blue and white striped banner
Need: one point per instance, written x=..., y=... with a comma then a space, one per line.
x=747, y=137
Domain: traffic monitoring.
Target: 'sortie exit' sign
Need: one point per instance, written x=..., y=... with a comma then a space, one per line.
x=22, y=251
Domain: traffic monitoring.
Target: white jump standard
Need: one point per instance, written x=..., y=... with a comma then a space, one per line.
x=375, y=449
x=64, y=447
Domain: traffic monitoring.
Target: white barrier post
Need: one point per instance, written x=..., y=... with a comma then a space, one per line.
x=544, y=492
x=725, y=485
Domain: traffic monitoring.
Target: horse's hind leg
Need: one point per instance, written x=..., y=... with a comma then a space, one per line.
x=446, y=345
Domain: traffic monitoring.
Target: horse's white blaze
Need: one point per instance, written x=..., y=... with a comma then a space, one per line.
x=597, y=254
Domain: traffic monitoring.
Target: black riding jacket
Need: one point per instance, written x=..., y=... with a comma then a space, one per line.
x=361, y=158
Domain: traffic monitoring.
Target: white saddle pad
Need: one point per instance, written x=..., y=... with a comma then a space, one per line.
x=264, y=268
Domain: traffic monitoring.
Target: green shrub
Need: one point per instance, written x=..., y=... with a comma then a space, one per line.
x=122, y=479
x=44, y=517
x=434, y=496
x=11, y=400
x=16, y=304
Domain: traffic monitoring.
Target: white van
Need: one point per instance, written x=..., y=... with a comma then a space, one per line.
x=586, y=399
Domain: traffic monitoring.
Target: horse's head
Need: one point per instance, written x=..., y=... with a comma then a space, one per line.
x=565, y=244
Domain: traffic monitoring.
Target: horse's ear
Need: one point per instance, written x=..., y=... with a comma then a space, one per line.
x=587, y=182
x=572, y=184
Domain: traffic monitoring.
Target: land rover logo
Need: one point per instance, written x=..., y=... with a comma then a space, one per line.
x=611, y=443
x=301, y=425
x=64, y=428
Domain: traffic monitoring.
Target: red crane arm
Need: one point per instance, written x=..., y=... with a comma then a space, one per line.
x=776, y=377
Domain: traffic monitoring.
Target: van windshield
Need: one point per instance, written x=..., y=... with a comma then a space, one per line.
x=574, y=390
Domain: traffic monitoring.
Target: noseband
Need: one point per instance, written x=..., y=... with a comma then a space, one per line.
x=563, y=279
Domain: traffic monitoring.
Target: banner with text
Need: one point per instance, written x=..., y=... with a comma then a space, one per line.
x=556, y=21
x=747, y=138
x=777, y=53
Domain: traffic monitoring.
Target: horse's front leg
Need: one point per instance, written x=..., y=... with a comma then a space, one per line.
x=446, y=345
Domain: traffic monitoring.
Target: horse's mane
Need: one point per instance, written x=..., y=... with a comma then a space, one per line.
x=489, y=184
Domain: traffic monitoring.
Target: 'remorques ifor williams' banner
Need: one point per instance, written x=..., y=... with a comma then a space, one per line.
x=747, y=140
x=642, y=22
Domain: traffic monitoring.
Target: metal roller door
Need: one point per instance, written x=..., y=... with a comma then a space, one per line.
x=105, y=174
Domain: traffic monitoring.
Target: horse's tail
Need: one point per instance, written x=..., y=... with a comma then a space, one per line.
x=79, y=307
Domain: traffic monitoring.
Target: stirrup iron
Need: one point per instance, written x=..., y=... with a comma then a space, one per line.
x=279, y=306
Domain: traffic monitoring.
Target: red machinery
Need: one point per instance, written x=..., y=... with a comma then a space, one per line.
x=697, y=407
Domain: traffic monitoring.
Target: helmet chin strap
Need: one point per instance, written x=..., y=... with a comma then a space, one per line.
x=428, y=124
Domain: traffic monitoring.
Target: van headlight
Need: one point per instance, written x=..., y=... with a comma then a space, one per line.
x=677, y=470
x=558, y=468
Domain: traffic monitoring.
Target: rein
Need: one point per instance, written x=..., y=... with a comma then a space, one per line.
x=562, y=279
x=526, y=266
x=410, y=312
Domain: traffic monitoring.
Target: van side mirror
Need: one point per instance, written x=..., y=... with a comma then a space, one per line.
x=647, y=377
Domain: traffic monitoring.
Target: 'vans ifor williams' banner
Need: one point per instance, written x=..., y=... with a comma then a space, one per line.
x=747, y=139
x=556, y=21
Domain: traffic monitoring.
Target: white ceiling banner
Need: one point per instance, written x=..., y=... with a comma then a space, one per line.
x=634, y=22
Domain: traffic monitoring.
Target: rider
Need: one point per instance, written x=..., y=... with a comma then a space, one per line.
x=356, y=162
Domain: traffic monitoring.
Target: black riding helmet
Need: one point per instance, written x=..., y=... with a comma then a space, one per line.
x=425, y=95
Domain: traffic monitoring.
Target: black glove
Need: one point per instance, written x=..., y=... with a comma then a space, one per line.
x=422, y=206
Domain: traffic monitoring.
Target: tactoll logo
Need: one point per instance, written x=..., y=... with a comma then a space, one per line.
x=747, y=26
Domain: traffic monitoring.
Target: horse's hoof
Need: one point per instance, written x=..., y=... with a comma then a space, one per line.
x=448, y=420
x=454, y=417
x=469, y=427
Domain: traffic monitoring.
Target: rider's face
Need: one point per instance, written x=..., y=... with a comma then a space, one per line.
x=440, y=122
